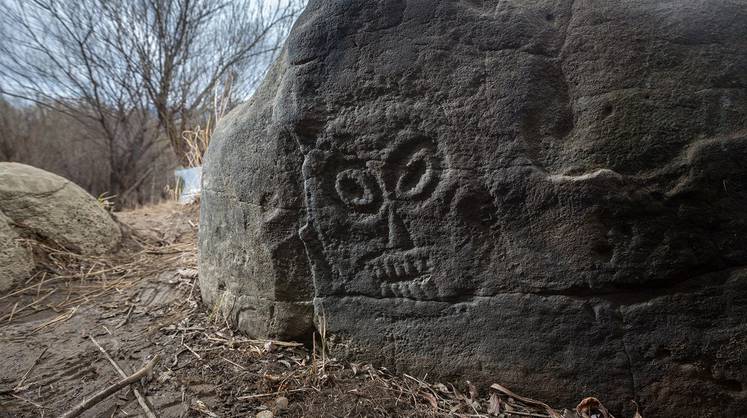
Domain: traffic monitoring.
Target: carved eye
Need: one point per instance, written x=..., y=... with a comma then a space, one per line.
x=416, y=175
x=357, y=188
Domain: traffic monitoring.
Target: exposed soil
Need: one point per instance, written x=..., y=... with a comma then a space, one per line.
x=144, y=301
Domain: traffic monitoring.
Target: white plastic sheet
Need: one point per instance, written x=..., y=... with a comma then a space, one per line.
x=188, y=182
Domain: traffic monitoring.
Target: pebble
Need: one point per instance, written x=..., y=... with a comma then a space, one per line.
x=281, y=403
x=265, y=414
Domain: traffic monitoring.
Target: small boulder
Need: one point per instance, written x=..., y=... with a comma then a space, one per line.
x=16, y=261
x=55, y=209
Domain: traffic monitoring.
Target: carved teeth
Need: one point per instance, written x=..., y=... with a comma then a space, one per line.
x=386, y=291
x=399, y=269
x=378, y=272
x=418, y=289
x=388, y=267
x=422, y=265
x=404, y=290
x=429, y=288
x=410, y=269
x=415, y=291
x=401, y=266
x=404, y=275
x=395, y=290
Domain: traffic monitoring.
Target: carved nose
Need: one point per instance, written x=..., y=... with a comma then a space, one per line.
x=399, y=236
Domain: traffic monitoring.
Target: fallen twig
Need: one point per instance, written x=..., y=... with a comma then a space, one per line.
x=192, y=351
x=100, y=396
x=141, y=399
x=234, y=363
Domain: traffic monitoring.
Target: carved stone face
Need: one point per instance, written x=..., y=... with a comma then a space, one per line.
x=515, y=190
x=384, y=220
x=516, y=173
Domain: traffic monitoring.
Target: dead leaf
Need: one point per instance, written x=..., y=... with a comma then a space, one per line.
x=431, y=399
x=569, y=414
x=457, y=395
x=441, y=388
x=272, y=377
x=472, y=391
x=201, y=407
x=494, y=405
x=550, y=411
x=588, y=405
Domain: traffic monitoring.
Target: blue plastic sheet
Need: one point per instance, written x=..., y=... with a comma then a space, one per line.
x=188, y=183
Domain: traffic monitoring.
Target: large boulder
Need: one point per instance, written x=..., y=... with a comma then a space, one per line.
x=40, y=205
x=546, y=194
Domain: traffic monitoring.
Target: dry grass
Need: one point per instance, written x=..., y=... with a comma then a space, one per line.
x=198, y=138
x=77, y=279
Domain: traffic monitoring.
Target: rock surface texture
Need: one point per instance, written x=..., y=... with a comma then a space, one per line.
x=253, y=265
x=550, y=194
x=40, y=205
x=16, y=260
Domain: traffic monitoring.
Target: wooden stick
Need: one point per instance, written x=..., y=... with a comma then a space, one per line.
x=192, y=351
x=141, y=399
x=100, y=396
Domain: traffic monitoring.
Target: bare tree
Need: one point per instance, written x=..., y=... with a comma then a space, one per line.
x=13, y=127
x=52, y=140
x=182, y=50
x=55, y=55
x=137, y=70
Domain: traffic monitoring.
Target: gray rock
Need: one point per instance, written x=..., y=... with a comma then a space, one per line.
x=549, y=194
x=253, y=266
x=16, y=260
x=55, y=209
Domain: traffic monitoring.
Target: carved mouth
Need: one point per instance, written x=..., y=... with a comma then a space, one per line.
x=404, y=274
x=399, y=266
x=420, y=288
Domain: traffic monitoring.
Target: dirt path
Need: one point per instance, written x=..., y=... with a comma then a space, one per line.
x=145, y=301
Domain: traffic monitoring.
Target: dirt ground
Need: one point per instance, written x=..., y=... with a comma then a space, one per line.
x=145, y=301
